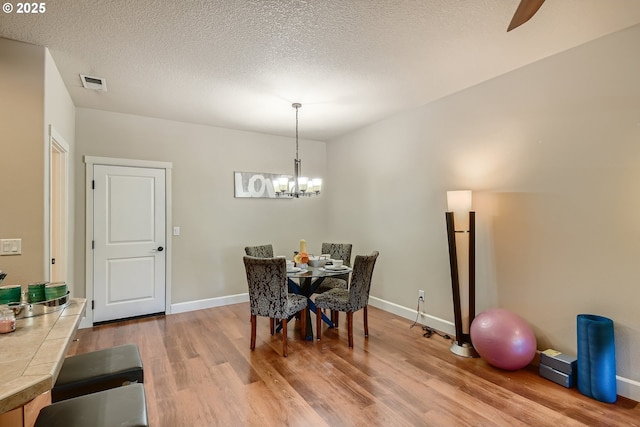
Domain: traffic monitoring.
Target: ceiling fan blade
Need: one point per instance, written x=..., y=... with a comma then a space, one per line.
x=526, y=9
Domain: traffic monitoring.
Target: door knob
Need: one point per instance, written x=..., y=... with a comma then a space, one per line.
x=160, y=248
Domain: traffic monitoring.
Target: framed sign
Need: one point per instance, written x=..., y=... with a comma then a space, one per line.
x=256, y=185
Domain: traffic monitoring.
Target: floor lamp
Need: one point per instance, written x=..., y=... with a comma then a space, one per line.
x=459, y=206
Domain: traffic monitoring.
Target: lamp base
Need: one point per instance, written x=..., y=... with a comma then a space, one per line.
x=463, y=350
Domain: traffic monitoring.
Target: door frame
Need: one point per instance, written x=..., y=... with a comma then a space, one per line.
x=90, y=161
x=56, y=143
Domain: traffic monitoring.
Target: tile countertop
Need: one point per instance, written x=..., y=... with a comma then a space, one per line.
x=31, y=356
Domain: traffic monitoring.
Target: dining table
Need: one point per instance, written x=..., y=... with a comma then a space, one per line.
x=308, y=281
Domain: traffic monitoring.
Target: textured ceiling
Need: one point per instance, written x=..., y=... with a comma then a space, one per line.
x=240, y=64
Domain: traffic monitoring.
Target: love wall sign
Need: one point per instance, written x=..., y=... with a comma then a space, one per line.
x=256, y=185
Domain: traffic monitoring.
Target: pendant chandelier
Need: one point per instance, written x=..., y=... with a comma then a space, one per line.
x=299, y=186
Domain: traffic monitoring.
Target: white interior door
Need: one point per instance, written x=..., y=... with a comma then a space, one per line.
x=129, y=240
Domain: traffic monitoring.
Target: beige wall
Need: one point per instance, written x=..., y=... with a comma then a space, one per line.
x=215, y=226
x=21, y=150
x=552, y=152
x=33, y=99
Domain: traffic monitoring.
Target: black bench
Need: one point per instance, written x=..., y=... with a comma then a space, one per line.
x=97, y=371
x=116, y=407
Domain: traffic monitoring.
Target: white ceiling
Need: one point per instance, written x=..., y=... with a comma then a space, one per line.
x=241, y=63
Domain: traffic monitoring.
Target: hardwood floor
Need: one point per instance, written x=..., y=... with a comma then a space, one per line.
x=200, y=372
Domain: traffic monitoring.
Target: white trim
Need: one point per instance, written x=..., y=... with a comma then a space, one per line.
x=183, y=307
x=628, y=388
x=127, y=162
x=53, y=133
x=436, y=323
x=87, y=321
x=90, y=161
x=47, y=202
x=169, y=236
x=60, y=145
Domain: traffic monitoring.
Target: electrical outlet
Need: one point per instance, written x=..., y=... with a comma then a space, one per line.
x=421, y=295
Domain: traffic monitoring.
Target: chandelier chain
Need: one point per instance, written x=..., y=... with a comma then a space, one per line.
x=297, y=108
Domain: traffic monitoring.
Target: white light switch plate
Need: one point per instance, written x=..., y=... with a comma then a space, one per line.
x=10, y=246
x=176, y=231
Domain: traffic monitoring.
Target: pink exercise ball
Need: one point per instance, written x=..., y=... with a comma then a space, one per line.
x=504, y=339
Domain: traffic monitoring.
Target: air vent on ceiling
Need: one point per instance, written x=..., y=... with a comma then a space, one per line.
x=92, y=82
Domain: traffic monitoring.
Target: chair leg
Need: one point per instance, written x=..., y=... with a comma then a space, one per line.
x=285, y=353
x=350, y=327
x=335, y=316
x=252, y=346
x=366, y=321
x=303, y=319
x=318, y=323
x=272, y=325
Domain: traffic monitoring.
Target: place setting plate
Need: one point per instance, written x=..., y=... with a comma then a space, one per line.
x=334, y=268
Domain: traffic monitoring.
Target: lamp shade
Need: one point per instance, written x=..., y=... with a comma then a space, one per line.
x=303, y=182
x=317, y=184
x=459, y=201
x=284, y=183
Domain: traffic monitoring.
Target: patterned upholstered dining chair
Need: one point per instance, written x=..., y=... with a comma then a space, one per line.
x=337, y=251
x=350, y=300
x=269, y=296
x=260, y=251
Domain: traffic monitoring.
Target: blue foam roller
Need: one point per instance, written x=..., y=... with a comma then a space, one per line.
x=596, y=358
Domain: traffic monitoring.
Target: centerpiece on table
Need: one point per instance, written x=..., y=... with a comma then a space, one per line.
x=302, y=257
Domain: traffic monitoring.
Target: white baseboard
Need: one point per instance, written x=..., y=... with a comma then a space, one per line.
x=424, y=318
x=628, y=388
x=183, y=307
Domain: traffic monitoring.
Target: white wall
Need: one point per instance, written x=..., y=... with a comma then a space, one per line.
x=59, y=110
x=59, y=113
x=552, y=152
x=215, y=226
